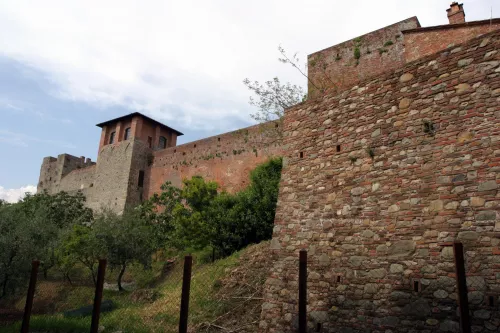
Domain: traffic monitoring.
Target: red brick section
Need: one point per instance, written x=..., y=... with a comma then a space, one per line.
x=419, y=165
x=425, y=41
x=342, y=69
x=227, y=159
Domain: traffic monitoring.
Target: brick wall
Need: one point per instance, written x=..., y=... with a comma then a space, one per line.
x=419, y=164
x=338, y=66
x=227, y=158
x=426, y=41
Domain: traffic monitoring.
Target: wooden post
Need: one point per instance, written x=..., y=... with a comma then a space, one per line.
x=463, y=301
x=303, y=291
x=186, y=286
x=29, y=297
x=96, y=310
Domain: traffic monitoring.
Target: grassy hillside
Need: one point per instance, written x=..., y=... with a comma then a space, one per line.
x=225, y=295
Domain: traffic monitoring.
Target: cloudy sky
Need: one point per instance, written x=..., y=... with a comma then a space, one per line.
x=67, y=65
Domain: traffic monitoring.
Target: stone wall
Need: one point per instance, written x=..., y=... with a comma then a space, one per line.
x=425, y=41
x=376, y=178
x=380, y=50
x=54, y=170
x=227, y=158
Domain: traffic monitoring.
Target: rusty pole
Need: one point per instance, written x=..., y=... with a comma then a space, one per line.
x=303, y=291
x=29, y=297
x=463, y=301
x=186, y=286
x=96, y=310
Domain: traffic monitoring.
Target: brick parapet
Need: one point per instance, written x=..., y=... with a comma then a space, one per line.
x=227, y=158
x=419, y=165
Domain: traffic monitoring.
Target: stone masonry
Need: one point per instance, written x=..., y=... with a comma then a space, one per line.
x=376, y=179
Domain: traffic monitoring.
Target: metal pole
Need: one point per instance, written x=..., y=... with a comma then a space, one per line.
x=29, y=297
x=463, y=301
x=96, y=310
x=303, y=291
x=186, y=286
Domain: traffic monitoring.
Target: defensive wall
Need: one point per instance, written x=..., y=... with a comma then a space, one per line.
x=130, y=171
x=375, y=179
x=227, y=158
x=343, y=65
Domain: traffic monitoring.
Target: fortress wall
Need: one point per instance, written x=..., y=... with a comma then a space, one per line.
x=426, y=41
x=227, y=158
x=417, y=164
x=54, y=172
x=112, y=172
x=78, y=179
x=344, y=70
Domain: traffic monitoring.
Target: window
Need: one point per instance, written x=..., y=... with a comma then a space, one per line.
x=150, y=142
x=112, y=137
x=127, y=134
x=162, y=142
x=140, y=182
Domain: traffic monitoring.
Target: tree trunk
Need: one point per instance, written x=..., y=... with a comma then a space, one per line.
x=4, y=287
x=122, y=271
x=94, y=279
x=68, y=278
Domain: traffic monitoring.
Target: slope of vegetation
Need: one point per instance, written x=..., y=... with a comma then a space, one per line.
x=226, y=294
x=143, y=247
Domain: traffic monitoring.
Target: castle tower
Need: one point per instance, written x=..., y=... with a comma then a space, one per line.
x=125, y=154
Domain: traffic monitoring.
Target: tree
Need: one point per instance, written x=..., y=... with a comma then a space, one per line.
x=191, y=225
x=248, y=216
x=59, y=211
x=31, y=229
x=158, y=211
x=124, y=239
x=272, y=98
x=80, y=244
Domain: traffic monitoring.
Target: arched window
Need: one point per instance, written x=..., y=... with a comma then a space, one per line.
x=127, y=134
x=112, y=137
x=162, y=143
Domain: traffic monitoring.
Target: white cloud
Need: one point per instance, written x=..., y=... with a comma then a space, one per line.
x=23, y=140
x=13, y=195
x=185, y=60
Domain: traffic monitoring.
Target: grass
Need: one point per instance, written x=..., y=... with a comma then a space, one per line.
x=162, y=315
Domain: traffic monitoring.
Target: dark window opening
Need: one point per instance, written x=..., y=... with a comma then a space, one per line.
x=150, y=142
x=218, y=139
x=195, y=145
x=416, y=286
x=184, y=153
x=91, y=185
x=276, y=125
x=162, y=143
x=338, y=148
x=301, y=154
x=50, y=178
x=127, y=133
x=140, y=183
x=112, y=137
x=339, y=278
x=175, y=150
x=491, y=300
x=318, y=327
